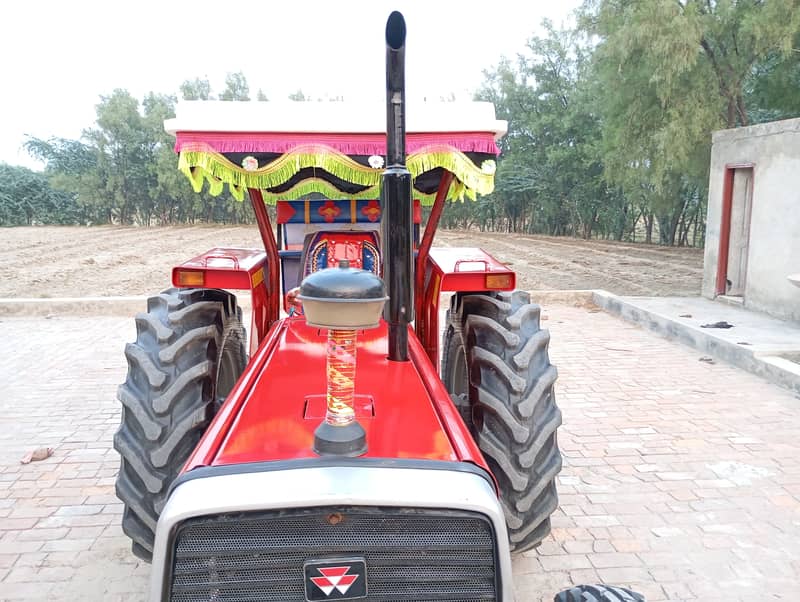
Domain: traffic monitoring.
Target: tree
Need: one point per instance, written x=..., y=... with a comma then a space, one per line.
x=172, y=200
x=124, y=150
x=61, y=155
x=261, y=96
x=550, y=178
x=70, y=167
x=670, y=72
x=771, y=92
x=196, y=89
x=26, y=198
x=298, y=96
x=236, y=87
x=124, y=170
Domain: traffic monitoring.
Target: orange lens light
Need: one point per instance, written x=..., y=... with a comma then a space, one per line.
x=191, y=278
x=499, y=281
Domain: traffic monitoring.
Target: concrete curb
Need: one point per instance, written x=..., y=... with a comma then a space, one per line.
x=72, y=306
x=83, y=306
x=577, y=298
x=776, y=370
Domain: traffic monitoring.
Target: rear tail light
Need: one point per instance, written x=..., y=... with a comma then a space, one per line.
x=190, y=278
x=499, y=281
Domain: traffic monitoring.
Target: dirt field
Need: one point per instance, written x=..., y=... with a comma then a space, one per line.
x=111, y=261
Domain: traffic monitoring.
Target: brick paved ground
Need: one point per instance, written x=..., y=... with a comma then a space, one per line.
x=681, y=478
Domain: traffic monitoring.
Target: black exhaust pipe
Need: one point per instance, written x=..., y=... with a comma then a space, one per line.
x=396, y=202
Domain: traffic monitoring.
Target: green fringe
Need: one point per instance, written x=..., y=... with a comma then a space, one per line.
x=466, y=172
x=307, y=187
x=217, y=170
x=282, y=169
x=328, y=190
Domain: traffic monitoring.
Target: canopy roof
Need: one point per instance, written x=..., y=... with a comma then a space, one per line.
x=289, y=150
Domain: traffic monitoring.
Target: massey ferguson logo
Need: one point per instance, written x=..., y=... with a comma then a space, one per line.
x=336, y=579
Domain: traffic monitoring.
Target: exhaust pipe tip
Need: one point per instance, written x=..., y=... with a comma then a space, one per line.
x=395, y=31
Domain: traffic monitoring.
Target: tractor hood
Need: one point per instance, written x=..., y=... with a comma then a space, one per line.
x=279, y=401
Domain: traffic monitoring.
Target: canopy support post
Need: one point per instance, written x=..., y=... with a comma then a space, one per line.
x=427, y=301
x=266, y=315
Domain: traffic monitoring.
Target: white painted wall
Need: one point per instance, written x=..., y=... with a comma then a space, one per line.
x=774, y=251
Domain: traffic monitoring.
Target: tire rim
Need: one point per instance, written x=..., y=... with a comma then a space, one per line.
x=227, y=373
x=459, y=383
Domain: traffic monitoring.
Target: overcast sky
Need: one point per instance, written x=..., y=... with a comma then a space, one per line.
x=58, y=57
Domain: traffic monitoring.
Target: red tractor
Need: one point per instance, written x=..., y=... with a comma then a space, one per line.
x=328, y=459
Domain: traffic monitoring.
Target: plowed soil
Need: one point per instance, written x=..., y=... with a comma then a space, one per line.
x=118, y=261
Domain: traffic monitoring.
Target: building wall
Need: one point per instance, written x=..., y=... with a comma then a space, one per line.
x=774, y=249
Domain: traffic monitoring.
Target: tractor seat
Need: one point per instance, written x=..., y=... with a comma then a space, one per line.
x=324, y=249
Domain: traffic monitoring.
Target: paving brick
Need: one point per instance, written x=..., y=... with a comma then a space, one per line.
x=26, y=591
x=613, y=560
x=624, y=574
x=90, y=520
x=34, y=559
x=22, y=574
x=42, y=534
x=8, y=524
x=19, y=547
x=667, y=531
x=55, y=573
x=565, y=562
x=630, y=545
x=68, y=545
x=601, y=546
x=583, y=546
x=594, y=521
x=79, y=510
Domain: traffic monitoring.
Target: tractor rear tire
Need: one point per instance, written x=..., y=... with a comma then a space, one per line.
x=598, y=593
x=496, y=368
x=188, y=354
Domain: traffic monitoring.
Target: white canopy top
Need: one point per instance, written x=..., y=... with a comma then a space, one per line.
x=331, y=117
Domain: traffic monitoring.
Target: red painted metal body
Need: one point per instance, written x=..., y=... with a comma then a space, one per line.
x=235, y=269
x=272, y=412
x=269, y=311
x=403, y=406
x=242, y=269
x=454, y=269
x=232, y=269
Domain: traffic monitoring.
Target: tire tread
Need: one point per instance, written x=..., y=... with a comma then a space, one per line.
x=511, y=383
x=168, y=397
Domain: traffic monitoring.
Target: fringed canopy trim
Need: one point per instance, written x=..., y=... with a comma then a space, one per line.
x=329, y=166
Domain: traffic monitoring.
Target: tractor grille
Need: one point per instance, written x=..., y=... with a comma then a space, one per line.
x=410, y=554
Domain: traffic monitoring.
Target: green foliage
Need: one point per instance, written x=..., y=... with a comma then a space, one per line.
x=551, y=178
x=610, y=124
x=772, y=90
x=670, y=73
x=236, y=87
x=122, y=171
x=26, y=199
x=196, y=89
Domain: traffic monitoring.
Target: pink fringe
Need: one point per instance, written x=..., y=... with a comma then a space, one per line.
x=349, y=144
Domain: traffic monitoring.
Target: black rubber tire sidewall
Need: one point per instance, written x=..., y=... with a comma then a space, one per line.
x=528, y=488
x=170, y=395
